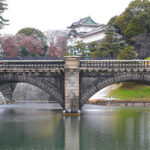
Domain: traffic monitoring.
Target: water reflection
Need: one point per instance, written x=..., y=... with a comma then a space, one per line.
x=120, y=129
x=72, y=133
x=31, y=129
x=106, y=128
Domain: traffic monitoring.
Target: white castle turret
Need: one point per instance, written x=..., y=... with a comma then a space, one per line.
x=87, y=30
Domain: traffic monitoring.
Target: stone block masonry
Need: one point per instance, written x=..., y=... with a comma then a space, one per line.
x=71, y=84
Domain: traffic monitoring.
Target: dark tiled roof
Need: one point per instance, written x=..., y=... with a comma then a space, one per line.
x=84, y=22
x=75, y=34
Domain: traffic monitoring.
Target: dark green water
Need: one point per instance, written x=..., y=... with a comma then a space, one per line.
x=36, y=127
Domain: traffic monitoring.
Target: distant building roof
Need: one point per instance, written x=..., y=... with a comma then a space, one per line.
x=85, y=22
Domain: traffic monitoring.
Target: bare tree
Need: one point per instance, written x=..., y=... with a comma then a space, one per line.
x=57, y=39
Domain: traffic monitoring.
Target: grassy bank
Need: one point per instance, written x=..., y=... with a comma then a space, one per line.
x=131, y=91
x=148, y=58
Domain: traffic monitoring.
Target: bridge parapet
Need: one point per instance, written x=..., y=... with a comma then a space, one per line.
x=9, y=65
x=115, y=65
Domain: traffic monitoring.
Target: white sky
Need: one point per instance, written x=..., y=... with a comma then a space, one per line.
x=58, y=14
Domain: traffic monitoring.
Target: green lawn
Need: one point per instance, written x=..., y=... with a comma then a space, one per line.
x=131, y=91
x=148, y=58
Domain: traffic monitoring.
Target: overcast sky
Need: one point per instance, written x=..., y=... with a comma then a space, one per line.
x=58, y=14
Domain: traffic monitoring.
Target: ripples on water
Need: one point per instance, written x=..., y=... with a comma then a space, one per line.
x=42, y=127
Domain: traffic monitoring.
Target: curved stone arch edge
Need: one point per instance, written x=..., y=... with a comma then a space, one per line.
x=112, y=80
x=33, y=81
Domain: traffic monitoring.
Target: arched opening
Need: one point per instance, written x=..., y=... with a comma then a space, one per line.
x=25, y=92
x=99, y=84
x=50, y=89
x=123, y=91
x=104, y=93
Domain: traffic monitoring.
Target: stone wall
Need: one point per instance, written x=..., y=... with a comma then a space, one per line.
x=141, y=44
x=28, y=92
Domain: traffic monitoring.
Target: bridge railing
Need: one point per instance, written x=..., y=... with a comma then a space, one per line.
x=34, y=64
x=118, y=64
x=101, y=64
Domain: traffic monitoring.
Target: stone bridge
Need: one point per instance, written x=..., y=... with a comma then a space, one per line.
x=71, y=81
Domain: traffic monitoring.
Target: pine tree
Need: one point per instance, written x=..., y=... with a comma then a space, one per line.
x=127, y=53
x=112, y=43
x=3, y=7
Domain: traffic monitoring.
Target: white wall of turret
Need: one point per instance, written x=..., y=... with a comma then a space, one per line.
x=93, y=37
x=88, y=39
x=84, y=29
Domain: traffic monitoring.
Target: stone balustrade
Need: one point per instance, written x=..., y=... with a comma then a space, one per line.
x=31, y=64
x=84, y=64
x=115, y=64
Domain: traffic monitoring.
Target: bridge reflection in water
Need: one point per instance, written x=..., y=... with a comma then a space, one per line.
x=72, y=139
x=71, y=82
x=98, y=128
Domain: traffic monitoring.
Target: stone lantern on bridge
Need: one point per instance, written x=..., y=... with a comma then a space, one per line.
x=71, y=45
x=77, y=51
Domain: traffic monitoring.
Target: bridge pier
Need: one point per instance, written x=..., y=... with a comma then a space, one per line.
x=72, y=64
x=7, y=91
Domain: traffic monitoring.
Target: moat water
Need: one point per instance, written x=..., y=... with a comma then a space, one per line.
x=43, y=127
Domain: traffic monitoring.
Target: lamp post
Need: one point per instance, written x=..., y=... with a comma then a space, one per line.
x=1, y=52
x=86, y=52
x=78, y=52
x=72, y=44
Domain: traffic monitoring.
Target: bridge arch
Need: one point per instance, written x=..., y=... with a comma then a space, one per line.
x=40, y=83
x=100, y=84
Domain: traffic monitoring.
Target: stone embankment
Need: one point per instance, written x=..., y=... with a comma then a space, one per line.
x=103, y=98
x=120, y=102
x=141, y=44
x=27, y=93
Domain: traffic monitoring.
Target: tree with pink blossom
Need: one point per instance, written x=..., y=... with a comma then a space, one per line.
x=22, y=46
